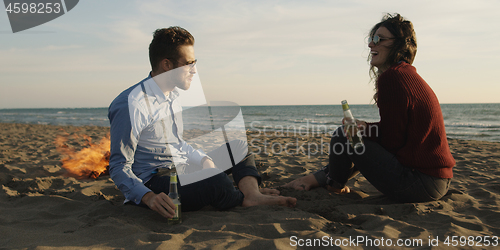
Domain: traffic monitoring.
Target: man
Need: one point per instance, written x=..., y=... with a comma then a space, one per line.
x=146, y=137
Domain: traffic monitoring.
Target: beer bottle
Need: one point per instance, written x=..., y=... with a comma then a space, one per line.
x=174, y=195
x=351, y=128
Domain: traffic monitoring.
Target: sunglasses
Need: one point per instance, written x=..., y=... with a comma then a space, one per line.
x=376, y=39
x=192, y=63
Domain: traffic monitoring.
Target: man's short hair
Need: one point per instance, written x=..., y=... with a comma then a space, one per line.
x=165, y=44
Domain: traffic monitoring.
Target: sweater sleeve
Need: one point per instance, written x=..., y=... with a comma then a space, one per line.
x=371, y=131
x=393, y=103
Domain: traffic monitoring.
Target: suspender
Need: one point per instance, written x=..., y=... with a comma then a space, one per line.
x=165, y=129
x=147, y=101
x=162, y=120
x=231, y=157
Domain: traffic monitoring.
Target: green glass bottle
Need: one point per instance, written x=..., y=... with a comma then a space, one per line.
x=352, y=131
x=174, y=195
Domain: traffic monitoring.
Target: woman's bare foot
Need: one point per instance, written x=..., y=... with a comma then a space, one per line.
x=344, y=190
x=307, y=182
x=270, y=191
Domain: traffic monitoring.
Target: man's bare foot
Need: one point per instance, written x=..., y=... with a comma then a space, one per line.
x=253, y=197
x=257, y=199
x=270, y=191
x=344, y=190
x=307, y=182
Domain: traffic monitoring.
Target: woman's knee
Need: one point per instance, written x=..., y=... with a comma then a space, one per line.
x=438, y=187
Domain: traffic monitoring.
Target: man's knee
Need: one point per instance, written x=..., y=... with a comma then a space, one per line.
x=221, y=181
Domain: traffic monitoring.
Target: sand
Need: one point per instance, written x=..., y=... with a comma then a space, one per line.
x=41, y=207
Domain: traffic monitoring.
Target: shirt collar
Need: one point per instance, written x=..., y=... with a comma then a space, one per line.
x=173, y=95
x=160, y=96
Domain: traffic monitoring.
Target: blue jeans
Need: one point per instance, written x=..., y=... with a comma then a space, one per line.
x=381, y=169
x=218, y=190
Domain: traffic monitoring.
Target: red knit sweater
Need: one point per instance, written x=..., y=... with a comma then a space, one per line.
x=411, y=123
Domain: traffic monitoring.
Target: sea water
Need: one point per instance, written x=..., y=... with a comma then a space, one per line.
x=462, y=121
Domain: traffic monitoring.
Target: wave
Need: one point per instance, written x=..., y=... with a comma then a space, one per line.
x=256, y=114
x=313, y=122
x=474, y=136
x=270, y=120
x=68, y=118
x=326, y=115
x=9, y=113
x=290, y=129
x=98, y=119
x=472, y=125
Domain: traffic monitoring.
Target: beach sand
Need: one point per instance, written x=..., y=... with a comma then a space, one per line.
x=42, y=208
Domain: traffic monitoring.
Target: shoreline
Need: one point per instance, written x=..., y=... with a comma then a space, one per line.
x=41, y=207
x=250, y=133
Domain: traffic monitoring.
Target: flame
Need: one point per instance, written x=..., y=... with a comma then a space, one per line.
x=90, y=162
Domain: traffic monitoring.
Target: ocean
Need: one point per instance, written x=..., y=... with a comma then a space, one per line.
x=462, y=121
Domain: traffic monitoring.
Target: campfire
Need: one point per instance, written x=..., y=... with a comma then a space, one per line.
x=90, y=162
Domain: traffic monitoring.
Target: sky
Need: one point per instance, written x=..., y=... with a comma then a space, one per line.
x=257, y=52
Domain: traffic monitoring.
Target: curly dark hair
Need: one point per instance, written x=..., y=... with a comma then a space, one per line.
x=165, y=44
x=404, y=47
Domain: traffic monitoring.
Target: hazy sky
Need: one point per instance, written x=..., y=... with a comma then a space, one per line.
x=249, y=52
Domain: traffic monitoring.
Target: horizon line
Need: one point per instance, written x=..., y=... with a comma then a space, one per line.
x=254, y=105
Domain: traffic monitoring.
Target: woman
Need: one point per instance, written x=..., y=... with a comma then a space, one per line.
x=406, y=155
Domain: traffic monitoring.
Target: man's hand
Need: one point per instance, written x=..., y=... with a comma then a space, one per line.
x=207, y=163
x=160, y=203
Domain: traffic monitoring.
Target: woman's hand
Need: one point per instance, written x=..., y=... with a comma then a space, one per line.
x=306, y=183
x=361, y=125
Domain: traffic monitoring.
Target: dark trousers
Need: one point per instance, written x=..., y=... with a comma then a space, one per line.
x=382, y=170
x=217, y=190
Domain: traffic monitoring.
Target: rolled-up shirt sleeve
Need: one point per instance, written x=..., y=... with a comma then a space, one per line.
x=194, y=156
